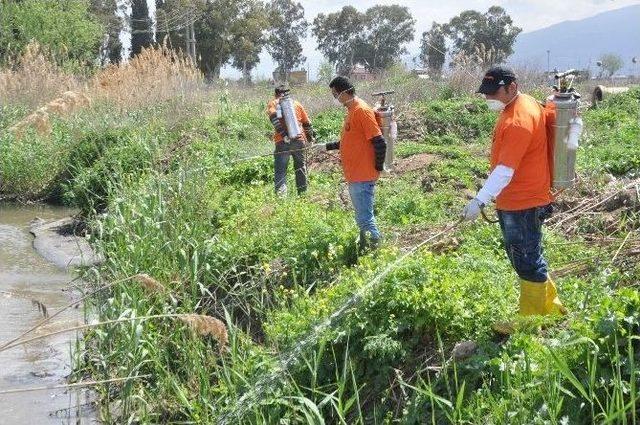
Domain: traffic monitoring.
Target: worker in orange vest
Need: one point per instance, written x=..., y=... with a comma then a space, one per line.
x=362, y=151
x=520, y=183
x=286, y=147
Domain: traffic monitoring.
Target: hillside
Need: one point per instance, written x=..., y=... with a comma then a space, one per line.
x=580, y=43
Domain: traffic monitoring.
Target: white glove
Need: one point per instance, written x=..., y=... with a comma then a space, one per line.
x=472, y=210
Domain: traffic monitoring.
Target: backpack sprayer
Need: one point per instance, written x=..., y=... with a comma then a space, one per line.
x=388, y=125
x=286, y=109
x=566, y=126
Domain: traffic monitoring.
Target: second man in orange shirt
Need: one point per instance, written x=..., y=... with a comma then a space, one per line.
x=362, y=151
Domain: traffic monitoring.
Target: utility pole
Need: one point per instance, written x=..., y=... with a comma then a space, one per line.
x=190, y=36
x=193, y=41
x=187, y=37
x=548, y=62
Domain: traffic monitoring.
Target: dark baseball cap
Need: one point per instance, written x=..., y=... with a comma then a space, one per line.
x=495, y=78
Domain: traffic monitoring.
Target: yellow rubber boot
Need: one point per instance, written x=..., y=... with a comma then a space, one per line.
x=533, y=297
x=532, y=301
x=553, y=305
x=536, y=298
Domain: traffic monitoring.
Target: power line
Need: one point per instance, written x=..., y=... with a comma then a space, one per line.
x=173, y=24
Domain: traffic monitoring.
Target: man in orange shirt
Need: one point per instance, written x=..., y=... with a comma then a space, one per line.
x=286, y=147
x=520, y=182
x=362, y=151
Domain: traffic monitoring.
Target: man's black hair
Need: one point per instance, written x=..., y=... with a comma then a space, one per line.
x=281, y=89
x=342, y=84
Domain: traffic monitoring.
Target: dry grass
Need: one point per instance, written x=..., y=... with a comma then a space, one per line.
x=207, y=325
x=154, y=76
x=68, y=103
x=149, y=284
x=199, y=323
x=34, y=77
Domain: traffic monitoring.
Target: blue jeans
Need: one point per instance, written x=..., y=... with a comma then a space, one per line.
x=522, y=233
x=362, y=199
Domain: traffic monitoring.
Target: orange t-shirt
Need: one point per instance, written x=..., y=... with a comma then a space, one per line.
x=356, y=149
x=301, y=114
x=520, y=143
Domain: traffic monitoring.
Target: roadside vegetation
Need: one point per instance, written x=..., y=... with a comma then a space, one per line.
x=163, y=186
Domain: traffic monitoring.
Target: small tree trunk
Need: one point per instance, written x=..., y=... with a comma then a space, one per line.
x=246, y=73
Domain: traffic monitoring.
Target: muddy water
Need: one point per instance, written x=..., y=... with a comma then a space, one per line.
x=24, y=277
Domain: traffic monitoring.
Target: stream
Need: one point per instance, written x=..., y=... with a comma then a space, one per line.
x=29, y=285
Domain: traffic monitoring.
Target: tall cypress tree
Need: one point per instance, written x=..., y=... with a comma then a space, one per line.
x=141, y=26
x=105, y=12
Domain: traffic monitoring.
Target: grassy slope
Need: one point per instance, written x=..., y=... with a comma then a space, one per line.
x=213, y=233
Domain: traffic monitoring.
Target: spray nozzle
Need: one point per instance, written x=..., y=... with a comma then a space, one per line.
x=382, y=95
x=566, y=73
x=564, y=82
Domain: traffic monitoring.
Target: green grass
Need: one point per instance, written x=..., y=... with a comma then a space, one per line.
x=173, y=201
x=612, y=140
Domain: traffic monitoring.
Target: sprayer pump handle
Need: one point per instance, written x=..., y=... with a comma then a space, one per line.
x=566, y=73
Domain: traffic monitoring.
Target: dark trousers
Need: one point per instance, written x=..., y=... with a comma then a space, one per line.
x=281, y=161
x=522, y=233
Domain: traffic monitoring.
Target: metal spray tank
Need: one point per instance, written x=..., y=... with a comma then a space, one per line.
x=567, y=128
x=388, y=124
x=286, y=110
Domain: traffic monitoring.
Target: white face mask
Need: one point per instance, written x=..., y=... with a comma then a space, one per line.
x=336, y=99
x=495, y=105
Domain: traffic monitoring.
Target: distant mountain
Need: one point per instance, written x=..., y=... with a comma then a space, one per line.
x=579, y=44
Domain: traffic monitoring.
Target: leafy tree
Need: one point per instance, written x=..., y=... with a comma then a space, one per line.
x=433, y=49
x=105, y=12
x=387, y=29
x=66, y=28
x=338, y=36
x=611, y=63
x=249, y=36
x=487, y=37
x=326, y=72
x=141, y=26
x=288, y=28
x=375, y=38
x=214, y=21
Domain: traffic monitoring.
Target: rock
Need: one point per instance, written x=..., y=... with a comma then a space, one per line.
x=624, y=198
x=57, y=243
x=446, y=245
x=471, y=107
x=469, y=194
x=42, y=374
x=427, y=185
x=463, y=350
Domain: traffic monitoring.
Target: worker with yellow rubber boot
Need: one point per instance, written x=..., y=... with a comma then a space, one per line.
x=520, y=182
